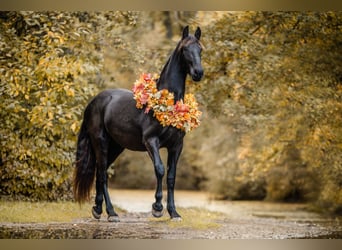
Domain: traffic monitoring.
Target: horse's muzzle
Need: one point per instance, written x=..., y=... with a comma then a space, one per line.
x=197, y=75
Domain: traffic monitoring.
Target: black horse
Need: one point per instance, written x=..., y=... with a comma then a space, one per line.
x=112, y=123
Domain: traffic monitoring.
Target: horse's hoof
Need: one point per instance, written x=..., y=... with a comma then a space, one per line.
x=176, y=219
x=112, y=218
x=157, y=213
x=95, y=214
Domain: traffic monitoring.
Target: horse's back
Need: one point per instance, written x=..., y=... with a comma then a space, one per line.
x=122, y=120
x=114, y=93
x=110, y=99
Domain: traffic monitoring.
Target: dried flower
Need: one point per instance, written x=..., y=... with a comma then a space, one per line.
x=183, y=115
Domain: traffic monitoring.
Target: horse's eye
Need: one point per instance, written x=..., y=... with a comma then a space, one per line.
x=186, y=49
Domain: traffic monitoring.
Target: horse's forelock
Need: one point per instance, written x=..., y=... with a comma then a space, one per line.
x=187, y=41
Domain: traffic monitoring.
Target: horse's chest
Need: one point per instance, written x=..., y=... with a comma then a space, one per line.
x=172, y=136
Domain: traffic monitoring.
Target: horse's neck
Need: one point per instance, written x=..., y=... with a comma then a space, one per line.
x=173, y=77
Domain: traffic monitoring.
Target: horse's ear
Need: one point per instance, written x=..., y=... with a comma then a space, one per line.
x=185, y=32
x=198, y=33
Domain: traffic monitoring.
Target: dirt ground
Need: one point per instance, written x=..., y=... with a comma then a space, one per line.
x=237, y=220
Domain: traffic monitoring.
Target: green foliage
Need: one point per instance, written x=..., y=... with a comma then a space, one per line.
x=50, y=66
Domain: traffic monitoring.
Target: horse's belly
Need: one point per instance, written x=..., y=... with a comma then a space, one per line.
x=128, y=140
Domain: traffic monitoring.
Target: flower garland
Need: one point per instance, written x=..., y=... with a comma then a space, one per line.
x=182, y=115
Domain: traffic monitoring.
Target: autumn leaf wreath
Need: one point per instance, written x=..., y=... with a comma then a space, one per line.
x=183, y=115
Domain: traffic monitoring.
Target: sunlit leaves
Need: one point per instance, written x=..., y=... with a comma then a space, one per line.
x=277, y=77
x=50, y=62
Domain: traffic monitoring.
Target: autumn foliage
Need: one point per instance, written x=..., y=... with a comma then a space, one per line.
x=50, y=62
x=273, y=82
x=270, y=97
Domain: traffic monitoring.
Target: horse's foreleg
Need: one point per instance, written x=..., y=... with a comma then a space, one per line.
x=152, y=146
x=173, y=156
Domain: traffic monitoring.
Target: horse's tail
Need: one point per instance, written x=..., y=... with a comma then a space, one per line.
x=84, y=173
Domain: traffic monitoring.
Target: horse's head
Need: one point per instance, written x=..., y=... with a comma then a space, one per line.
x=191, y=49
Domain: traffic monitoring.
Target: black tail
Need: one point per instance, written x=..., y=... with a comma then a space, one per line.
x=85, y=165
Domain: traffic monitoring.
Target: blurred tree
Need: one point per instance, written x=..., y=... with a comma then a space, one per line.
x=276, y=77
x=50, y=66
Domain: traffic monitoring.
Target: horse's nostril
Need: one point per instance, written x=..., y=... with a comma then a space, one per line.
x=199, y=74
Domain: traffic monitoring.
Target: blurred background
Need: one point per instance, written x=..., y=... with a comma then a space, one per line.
x=271, y=100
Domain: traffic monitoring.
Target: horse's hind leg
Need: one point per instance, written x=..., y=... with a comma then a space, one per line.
x=114, y=151
x=105, y=155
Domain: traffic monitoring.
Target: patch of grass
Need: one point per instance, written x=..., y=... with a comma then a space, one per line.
x=28, y=212
x=192, y=218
